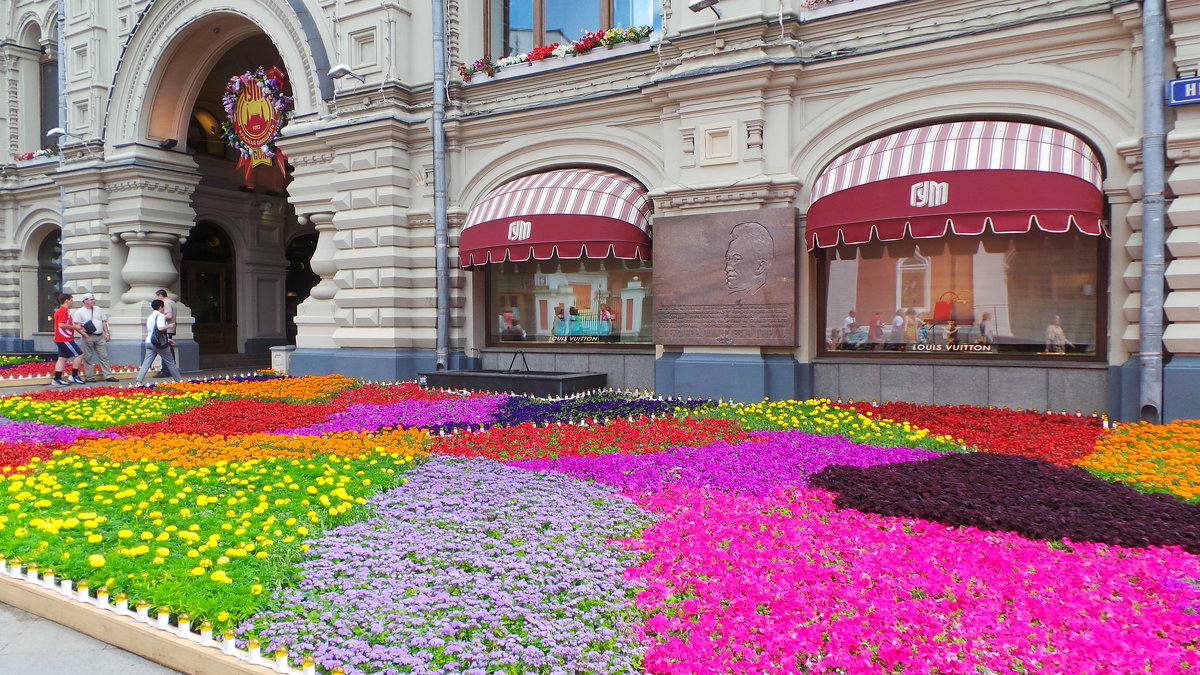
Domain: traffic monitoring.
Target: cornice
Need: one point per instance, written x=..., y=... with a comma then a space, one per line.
x=774, y=193
x=146, y=185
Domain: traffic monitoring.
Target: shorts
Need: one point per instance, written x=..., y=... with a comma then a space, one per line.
x=68, y=350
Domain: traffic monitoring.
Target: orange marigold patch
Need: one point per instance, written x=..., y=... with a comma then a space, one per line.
x=1151, y=457
x=306, y=388
x=189, y=450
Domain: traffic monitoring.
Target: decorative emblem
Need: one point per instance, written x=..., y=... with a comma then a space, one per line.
x=257, y=110
x=929, y=193
x=519, y=230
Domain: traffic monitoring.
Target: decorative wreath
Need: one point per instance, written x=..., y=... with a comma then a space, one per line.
x=257, y=111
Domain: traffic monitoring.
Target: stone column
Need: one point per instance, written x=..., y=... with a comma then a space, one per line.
x=316, y=316
x=149, y=265
x=146, y=211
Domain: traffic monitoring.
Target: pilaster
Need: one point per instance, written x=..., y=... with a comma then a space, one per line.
x=1182, y=303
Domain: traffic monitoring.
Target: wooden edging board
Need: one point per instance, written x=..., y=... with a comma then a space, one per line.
x=127, y=633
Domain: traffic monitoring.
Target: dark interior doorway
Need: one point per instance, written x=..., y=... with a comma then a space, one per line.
x=300, y=278
x=208, y=288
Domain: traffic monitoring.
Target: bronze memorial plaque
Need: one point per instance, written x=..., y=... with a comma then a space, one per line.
x=726, y=278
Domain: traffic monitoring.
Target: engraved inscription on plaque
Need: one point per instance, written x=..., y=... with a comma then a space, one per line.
x=726, y=278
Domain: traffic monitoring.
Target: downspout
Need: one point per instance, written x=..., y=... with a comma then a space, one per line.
x=441, y=238
x=61, y=18
x=1150, y=358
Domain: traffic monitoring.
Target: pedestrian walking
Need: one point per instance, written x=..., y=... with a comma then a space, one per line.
x=158, y=342
x=93, y=321
x=64, y=340
x=169, y=312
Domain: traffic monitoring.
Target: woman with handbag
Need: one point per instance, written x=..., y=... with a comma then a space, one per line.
x=158, y=343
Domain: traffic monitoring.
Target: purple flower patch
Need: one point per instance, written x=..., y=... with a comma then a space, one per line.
x=471, y=567
x=37, y=432
x=771, y=459
x=375, y=416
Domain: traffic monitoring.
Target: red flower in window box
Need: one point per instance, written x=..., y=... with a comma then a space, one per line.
x=588, y=42
x=539, y=53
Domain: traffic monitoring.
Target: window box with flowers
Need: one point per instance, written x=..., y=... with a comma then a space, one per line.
x=595, y=44
x=44, y=153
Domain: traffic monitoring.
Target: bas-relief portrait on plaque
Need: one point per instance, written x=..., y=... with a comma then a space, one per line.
x=726, y=278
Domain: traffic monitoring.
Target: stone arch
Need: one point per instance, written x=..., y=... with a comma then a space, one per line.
x=621, y=152
x=32, y=229
x=29, y=22
x=881, y=110
x=31, y=233
x=152, y=88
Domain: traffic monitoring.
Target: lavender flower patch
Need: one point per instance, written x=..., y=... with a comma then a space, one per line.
x=37, y=432
x=770, y=459
x=471, y=567
x=430, y=414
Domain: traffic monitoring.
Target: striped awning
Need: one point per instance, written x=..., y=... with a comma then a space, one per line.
x=962, y=178
x=565, y=214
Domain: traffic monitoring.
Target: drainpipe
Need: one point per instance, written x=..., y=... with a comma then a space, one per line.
x=61, y=18
x=440, y=237
x=1153, y=159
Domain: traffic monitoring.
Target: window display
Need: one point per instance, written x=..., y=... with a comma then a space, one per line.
x=584, y=301
x=1027, y=294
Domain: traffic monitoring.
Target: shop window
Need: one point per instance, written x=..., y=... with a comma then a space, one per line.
x=517, y=26
x=1026, y=294
x=585, y=301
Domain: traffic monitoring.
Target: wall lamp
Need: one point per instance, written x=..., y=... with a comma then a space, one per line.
x=701, y=5
x=342, y=70
x=59, y=132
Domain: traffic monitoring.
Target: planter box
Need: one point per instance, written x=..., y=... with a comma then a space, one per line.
x=556, y=62
x=532, y=382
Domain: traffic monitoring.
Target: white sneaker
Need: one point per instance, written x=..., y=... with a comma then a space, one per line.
x=59, y=383
x=78, y=380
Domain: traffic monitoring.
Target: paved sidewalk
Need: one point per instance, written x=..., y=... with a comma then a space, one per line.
x=33, y=645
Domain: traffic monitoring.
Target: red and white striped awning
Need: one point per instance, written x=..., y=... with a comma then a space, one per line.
x=565, y=214
x=961, y=178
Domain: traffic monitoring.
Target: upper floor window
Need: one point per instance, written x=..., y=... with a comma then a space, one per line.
x=517, y=26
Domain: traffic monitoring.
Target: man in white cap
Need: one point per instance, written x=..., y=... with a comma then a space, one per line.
x=95, y=339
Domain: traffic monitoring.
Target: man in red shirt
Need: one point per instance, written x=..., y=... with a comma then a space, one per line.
x=64, y=339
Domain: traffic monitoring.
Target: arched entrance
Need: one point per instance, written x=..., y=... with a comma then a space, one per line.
x=233, y=267
x=49, y=279
x=208, y=285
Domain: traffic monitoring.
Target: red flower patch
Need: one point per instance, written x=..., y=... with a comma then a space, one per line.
x=1058, y=439
x=17, y=454
x=527, y=441
x=72, y=393
x=239, y=416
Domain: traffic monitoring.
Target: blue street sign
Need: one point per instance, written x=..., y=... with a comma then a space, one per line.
x=1183, y=91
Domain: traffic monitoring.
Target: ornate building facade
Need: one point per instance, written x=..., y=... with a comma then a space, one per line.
x=868, y=199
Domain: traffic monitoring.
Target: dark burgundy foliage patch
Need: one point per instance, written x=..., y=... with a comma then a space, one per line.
x=1025, y=495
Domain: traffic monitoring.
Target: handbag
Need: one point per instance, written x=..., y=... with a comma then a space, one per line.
x=943, y=309
x=159, y=339
x=89, y=327
x=954, y=305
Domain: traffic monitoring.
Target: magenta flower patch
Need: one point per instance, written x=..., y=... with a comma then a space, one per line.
x=769, y=460
x=789, y=583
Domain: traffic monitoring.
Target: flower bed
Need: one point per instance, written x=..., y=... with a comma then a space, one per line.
x=1061, y=439
x=1151, y=457
x=391, y=528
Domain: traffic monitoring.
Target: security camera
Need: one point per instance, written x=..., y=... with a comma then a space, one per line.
x=701, y=5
